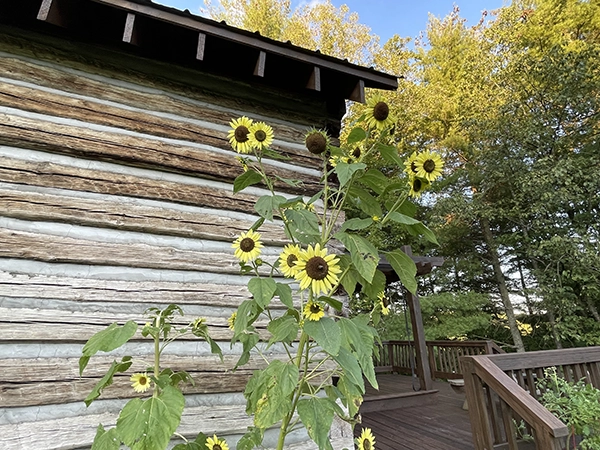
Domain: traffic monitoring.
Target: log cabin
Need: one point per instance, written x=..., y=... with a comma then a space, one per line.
x=116, y=196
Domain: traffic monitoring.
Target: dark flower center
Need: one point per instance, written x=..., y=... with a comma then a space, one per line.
x=218, y=447
x=247, y=244
x=260, y=135
x=291, y=260
x=381, y=111
x=356, y=153
x=143, y=381
x=366, y=444
x=315, y=308
x=316, y=143
x=417, y=185
x=241, y=133
x=317, y=268
x=429, y=165
x=413, y=167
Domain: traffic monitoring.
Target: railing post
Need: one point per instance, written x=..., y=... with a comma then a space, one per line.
x=478, y=413
x=431, y=357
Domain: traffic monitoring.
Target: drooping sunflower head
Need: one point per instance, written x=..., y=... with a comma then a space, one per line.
x=260, y=136
x=231, y=320
x=429, y=165
x=140, y=382
x=409, y=165
x=247, y=246
x=378, y=113
x=366, y=441
x=238, y=135
x=383, y=303
x=317, y=270
x=417, y=186
x=316, y=141
x=313, y=310
x=287, y=260
x=214, y=443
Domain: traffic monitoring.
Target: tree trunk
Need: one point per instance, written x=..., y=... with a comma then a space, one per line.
x=504, y=295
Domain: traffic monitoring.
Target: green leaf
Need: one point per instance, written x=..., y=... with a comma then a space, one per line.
x=246, y=179
x=107, y=379
x=422, y=230
x=365, y=201
x=317, y=416
x=266, y=204
x=351, y=337
x=352, y=395
x=364, y=255
x=376, y=286
x=263, y=290
x=326, y=332
x=283, y=329
x=248, y=341
x=415, y=226
x=106, y=440
x=106, y=340
x=270, y=153
x=149, y=424
x=405, y=267
x=303, y=225
x=390, y=154
x=345, y=171
x=284, y=292
x=356, y=224
x=198, y=444
x=251, y=440
x=402, y=218
x=356, y=135
x=350, y=279
x=374, y=180
x=352, y=371
x=335, y=304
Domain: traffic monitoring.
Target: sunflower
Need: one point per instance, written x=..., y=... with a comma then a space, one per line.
x=417, y=186
x=261, y=135
x=231, y=320
x=316, y=141
x=214, y=443
x=140, y=382
x=313, y=310
x=317, y=269
x=383, y=302
x=366, y=441
x=287, y=260
x=238, y=135
x=429, y=165
x=409, y=165
x=378, y=113
x=247, y=246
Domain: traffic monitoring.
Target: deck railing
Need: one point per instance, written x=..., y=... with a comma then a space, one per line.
x=502, y=395
x=444, y=356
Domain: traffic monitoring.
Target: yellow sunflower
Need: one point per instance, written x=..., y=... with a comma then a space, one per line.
x=378, y=113
x=231, y=320
x=140, y=382
x=247, y=246
x=287, y=260
x=313, y=310
x=238, y=135
x=366, y=441
x=409, y=165
x=261, y=135
x=383, y=302
x=429, y=165
x=316, y=141
x=214, y=443
x=417, y=186
x=317, y=269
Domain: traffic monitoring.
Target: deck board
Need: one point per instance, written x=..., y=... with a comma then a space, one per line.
x=443, y=425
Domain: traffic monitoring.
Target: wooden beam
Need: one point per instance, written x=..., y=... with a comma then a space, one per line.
x=314, y=82
x=201, y=45
x=130, y=34
x=53, y=11
x=358, y=94
x=259, y=70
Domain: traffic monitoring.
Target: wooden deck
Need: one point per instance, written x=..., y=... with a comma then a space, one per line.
x=426, y=421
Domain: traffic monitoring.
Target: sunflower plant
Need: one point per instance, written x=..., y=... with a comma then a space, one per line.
x=325, y=259
x=148, y=423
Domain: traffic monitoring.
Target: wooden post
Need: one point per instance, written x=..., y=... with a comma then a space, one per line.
x=478, y=413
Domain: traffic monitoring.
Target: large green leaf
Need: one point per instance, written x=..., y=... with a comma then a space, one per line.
x=326, y=332
x=106, y=340
x=106, y=440
x=365, y=201
x=251, y=440
x=266, y=204
x=198, y=444
x=107, y=379
x=402, y=218
x=283, y=329
x=414, y=226
x=376, y=286
x=375, y=180
x=345, y=171
x=356, y=224
x=303, y=225
x=149, y=424
x=317, y=416
x=405, y=267
x=263, y=290
x=356, y=135
x=246, y=179
x=390, y=154
x=352, y=396
x=352, y=371
x=364, y=255
x=350, y=279
x=284, y=292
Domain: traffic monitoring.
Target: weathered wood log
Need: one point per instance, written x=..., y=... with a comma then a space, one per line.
x=137, y=150
x=124, y=214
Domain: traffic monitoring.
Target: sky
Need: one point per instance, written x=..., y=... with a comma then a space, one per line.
x=387, y=17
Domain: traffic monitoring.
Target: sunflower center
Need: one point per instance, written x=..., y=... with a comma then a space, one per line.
x=316, y=143
x=317, y=268
x=260, y=135
x=381, y=111
x=417, y=185
x=143, y=381
x=413, y=167
x=241, y=133
x=315, y=308
x=429, y=166
x=291, y=260
x=247, y=244
x=217, y=447
x=367, y=444
x=356, y=153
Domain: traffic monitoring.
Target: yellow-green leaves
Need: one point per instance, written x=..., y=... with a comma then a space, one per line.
x=317, y=416
x=106, y=340
x=405, y=267
x=364, y=255
x=326, y=332
x=107, y=379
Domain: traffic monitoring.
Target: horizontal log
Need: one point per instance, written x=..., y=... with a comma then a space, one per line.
x=123, y=214
x=136, y=150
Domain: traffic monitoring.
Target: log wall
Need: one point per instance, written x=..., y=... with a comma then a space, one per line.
x=115, y=196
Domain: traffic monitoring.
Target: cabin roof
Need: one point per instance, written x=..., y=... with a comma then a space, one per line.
x=168, y=34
